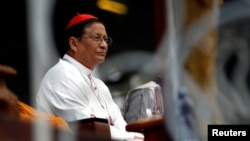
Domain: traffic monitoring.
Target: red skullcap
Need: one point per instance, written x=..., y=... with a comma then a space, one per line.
x=79, y=18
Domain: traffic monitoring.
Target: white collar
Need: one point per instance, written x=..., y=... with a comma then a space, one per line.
x=77, y=64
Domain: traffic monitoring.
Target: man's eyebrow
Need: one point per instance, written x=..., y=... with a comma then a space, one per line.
x=95, y=34
x=98, y=34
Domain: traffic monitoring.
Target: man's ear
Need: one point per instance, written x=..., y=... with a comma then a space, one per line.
x=73, y=43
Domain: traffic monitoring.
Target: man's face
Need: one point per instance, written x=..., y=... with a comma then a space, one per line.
x=92, y=47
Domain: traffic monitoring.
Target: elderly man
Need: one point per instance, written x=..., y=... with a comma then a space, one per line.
x=69, y=88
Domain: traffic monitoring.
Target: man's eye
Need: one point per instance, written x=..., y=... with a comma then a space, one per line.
x=97, y=38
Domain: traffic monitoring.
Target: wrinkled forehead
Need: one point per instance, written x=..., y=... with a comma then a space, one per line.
x=96, y=28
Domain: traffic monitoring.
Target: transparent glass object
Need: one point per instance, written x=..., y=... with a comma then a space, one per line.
x=144, y=102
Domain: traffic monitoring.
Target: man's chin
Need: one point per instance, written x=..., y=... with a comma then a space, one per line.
x=101, y=60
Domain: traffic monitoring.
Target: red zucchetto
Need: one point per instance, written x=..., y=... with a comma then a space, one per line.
x=79, y=18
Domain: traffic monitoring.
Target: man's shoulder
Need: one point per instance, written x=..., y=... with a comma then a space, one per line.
x=61, y=68
x=62, y=65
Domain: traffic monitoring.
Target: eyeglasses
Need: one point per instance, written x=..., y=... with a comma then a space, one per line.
x=99, y=39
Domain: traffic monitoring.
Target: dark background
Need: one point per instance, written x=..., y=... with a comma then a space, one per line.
x=140, y=29
x=135, y=30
